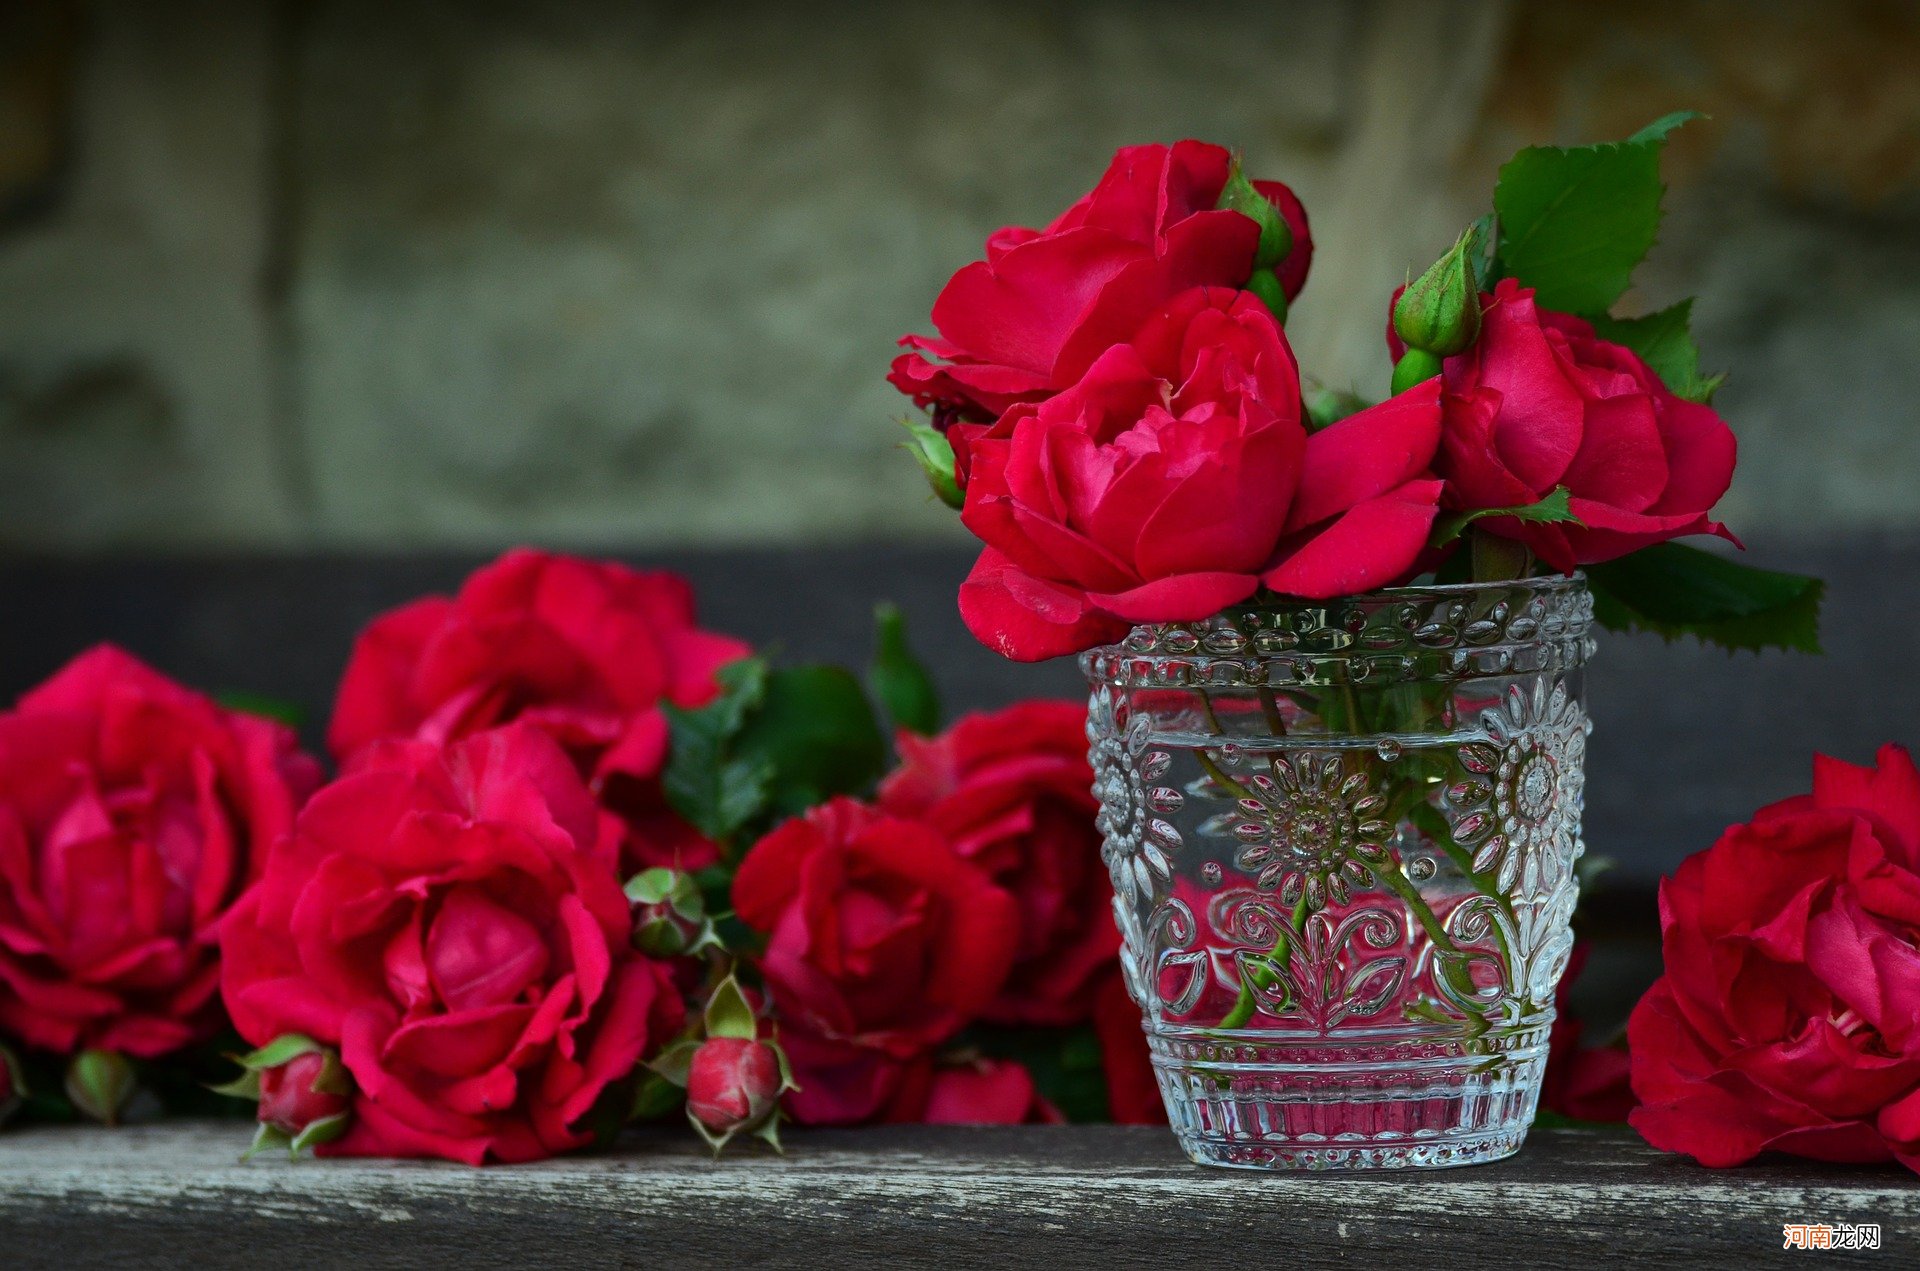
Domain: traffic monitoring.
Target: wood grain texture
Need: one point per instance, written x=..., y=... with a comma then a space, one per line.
x=1090, y=1196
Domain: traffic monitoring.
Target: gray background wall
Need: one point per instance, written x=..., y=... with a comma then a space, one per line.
x=427, y=273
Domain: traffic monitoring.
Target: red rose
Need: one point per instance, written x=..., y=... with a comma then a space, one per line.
x=976, y=1091
x=1031, y=318
x=1133, y=1095
x=588, y=651
x=451, y=920
x=883, y=942
x=733, y=1084
x=1176, y=477
x=1012, y=793
x=1540, y=401
x=1590, y=1083
x=1789, y=1015
x=133, y=812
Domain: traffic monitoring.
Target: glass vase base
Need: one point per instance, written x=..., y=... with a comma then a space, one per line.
x=1432, y=1116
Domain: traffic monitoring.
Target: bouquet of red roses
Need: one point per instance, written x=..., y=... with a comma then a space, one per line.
x=1117, y=414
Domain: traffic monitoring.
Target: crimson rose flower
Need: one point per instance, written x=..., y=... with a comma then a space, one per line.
x=977, y=1091
x=883, y=942
x=133, y=812
x=1031, y=318
x=588, y=651
x=1585, y=1083
x=1012, y=792
x=451, y=920
x=1540, y=401
x=1789, y=1015
x=1176, y=477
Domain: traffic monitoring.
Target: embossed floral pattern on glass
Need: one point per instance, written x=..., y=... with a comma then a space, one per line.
x=1342, y=839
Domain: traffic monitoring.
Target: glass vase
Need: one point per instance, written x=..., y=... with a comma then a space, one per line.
x=1342, y=837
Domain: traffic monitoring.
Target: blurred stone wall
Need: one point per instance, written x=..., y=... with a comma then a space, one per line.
x=431, y=272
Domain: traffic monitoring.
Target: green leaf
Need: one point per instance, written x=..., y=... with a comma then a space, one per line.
x=1574, y=222
x=901, y=684
x=934, y=453
x=673, y=1063
x=1676, y=590
x=714, y=789
x=729, y=1014
x=814, y=736
x=1555, y=507
x=1664, y=342
x=654, y=1097
x=292, y=714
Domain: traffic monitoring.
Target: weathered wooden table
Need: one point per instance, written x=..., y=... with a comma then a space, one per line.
x=1093, y=1196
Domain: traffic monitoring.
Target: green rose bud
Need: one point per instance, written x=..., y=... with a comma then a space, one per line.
x=934, y=453
x=100, y=1082
x=669, y=914
x=1276, y=237
x=1439, y=311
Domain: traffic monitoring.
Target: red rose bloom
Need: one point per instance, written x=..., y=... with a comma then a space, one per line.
x=133, y=812
x=1789, y=1015
x=1585, y=1083
x=978, y=1091
x=1031, y=318
x=1012, y=792
x=1540, y=401
x=1176, y=477
x=587, y=651
x=451, y=920
x=882, y=944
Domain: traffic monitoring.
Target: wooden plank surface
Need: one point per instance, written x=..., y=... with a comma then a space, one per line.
x=175, y=1195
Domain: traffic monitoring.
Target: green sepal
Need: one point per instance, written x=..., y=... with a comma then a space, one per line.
x=897, y=678
x=1415, y=367
x=1276, y=237
x=245, y=1086
x=1554, y=508
x=100, y=1083
x=267, y=1137
x=672, y=887
x=333, y=1077
x=673, y=1061
x=769, y=1133
x=729, y=1014
x=934, y=453
x=1575, y=221
x=1664, y=342
x=325, y=1130
x=1676, y=590
x=282, y=1049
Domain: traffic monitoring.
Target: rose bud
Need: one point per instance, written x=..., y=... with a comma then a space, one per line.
x=669, y=914
x=734, y=1079
x=303, y=1090
x=13, y=1087
x=1439, y=312
x=733, y=1084
x=100, y=1082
